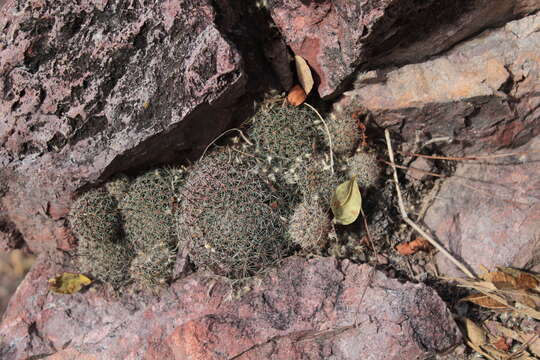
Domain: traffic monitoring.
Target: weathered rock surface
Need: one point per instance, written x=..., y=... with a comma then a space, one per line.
x=338, y=37
x=482, y=95
x=488, y=213
x=91, y=88
x=320, y=307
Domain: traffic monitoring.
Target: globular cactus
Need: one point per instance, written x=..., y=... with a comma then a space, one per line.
x=147, y=209
x=232, y=217
x=94, y=216
x=102, y=252
x=366, y=168
x=310, y=225
x=148, y=212
x=286, y=132
x=105, y=260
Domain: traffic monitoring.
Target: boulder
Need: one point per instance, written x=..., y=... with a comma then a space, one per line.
x=321, y=307
x=340, y=37
x=480, y=96
x=92, y=88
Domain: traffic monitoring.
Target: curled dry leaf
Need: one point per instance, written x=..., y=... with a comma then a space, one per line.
x=304, y=74
x=296, y=96
x=413, y=247
x=486, y=301
x=500, y=280
x=501, y=344
x=346, y=202
x=68, y=283
x=524, y=280
x=475, y=333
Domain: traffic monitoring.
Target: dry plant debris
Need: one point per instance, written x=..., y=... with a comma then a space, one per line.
x=492, y=340
x=412, y=247
x=69, y=283
x=346, y=202
x=304, y=74
x=296, y=95
x=506, y=289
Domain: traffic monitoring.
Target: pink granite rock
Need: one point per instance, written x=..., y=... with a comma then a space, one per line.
x=319, y=307
x=340, y=37
x=91, y=88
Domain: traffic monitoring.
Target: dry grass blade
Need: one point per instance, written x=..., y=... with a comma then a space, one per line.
x=412, y=223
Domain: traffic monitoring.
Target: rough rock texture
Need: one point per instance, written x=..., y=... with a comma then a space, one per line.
x=482, y=95
x=91, y=88
x=305, y=307
x=488, y=213
x=338, y=36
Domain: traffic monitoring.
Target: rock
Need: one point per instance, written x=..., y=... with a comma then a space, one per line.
x=482, y=95
x=488, y=213
x=328, y=309
x=418, y=169
x=340, y=37
x=93, y=88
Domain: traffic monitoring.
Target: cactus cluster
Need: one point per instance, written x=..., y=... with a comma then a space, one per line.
x=237, y=211
x=126, y=229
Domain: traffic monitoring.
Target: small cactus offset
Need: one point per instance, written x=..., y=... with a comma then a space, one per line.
x=366, y=168
x=344, y=132
x=232, y=217
x=310, y=225
x=313, y=178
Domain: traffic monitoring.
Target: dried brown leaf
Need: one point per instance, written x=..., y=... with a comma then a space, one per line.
x=304, y=74
x=413, y=247
x=296, y=96
x=501, y=344
x=486, y=301
x=500, y=279
x=524, y=280
x=475, y=333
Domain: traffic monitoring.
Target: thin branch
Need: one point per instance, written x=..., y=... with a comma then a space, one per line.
x=415, y=169
x=327, y=133
x=220, y=135
x=369, y=236
x=465, y=158
x=412, y=223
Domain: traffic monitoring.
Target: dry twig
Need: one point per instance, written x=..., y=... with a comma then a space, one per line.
x=412, y=223
x=327, y=133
